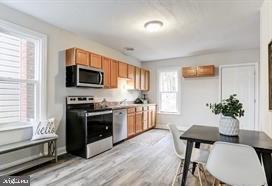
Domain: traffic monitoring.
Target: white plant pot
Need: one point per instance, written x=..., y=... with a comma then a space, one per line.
x=229, y=126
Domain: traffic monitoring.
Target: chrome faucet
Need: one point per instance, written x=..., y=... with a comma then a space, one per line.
x=123, y=101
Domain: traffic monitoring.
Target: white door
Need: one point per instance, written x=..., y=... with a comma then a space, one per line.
x=241, y=80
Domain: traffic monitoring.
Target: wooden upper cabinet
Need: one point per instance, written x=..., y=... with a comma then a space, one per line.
x=123, y=70
x=189, y=72
x=95, y=60
x=147, y=80
x=106, y=66
x=131, y=77
x=200, y=71
x=207, y=70
x=142, y=79
x=76, y=56
x=137, y=78
x=114, y=74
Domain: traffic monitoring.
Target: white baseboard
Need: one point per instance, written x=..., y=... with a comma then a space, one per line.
x=61, y=150
x=164, y=126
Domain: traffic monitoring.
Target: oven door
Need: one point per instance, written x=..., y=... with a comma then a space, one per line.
x=89, y=77
x=99, y=125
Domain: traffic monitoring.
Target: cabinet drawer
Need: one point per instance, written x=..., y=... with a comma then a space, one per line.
x=145, y=108
x=139, y=109
x=131, y=110
x=153, y=107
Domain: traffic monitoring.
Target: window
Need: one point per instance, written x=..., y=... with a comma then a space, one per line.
x=21, y=75
x=169, y=91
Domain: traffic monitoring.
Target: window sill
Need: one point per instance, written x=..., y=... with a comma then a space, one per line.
x=15, y=127
x=169, y=113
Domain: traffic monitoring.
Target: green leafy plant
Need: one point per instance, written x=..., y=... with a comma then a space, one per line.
x=228, y=107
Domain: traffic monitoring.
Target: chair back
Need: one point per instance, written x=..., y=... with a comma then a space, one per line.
x=179, y=146
x=235, y=164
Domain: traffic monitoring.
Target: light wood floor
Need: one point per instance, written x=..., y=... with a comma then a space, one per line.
x=147, y=159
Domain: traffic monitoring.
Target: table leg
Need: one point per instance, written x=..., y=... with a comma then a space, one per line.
x=197, y=145
x=267, y=161
x=187, y=161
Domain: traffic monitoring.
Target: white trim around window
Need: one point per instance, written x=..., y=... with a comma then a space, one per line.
x=40, y=69
x=178, y=92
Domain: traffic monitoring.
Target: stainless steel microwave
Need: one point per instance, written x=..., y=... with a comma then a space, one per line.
x=83, y=76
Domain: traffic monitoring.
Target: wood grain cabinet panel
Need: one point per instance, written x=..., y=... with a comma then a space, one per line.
x=123, y=70
x=131, y=124
x=145, y=120
x=188, y=72
x=142, y=79
x=114, y=74
x=95, y=60
x=149, y=123
x=137, y=78
x=147, y=80
x=152, y=109
x=207, y=70
x=76, y=56
x=131, y=110
x=139, y=122
x=131, y=77
x=106, y=65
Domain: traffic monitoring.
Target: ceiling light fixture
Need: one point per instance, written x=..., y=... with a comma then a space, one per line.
x=153, y=26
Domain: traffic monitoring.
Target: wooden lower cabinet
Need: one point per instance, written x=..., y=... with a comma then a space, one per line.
x=131, y=124
x=145, y=120
x=139, y=122
x=149, y=123
x=152, y=109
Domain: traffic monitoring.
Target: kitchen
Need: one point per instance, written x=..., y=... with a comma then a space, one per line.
x=110, y=78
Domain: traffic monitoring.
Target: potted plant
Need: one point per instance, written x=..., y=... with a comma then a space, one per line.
x=230, y=109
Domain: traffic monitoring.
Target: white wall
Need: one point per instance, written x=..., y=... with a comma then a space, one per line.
x=58, y=41
x=196, y=92
x=266, y=37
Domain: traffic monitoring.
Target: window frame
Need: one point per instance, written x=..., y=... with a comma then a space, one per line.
x=178, y=93
x=41, y=71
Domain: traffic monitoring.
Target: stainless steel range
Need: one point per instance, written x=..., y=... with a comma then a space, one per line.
x=88, y=129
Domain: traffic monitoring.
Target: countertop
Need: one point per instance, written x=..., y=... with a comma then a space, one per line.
x=124, y=106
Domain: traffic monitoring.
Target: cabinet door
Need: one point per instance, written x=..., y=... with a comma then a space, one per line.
x=106, y=65
x=114, y=74
x=123, y=70
x=131, y=77
x=188, y=72
x=147, y=80
x=139, y=122
x=95, y=60
x=153, y=120
x=131, y=124
x=205, y=70
x=149, y=123
x=82, y=57
x=142, y=79
x=137, y=78
x=145, y=120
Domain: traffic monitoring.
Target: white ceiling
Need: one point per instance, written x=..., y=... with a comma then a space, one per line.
x=191, y=27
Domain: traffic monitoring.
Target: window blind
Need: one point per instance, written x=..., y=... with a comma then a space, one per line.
x=17, y=79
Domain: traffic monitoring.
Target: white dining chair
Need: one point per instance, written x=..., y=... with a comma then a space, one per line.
x=199, y=156
x=235, y=164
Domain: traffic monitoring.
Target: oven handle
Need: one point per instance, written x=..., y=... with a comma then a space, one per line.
x=98, y=113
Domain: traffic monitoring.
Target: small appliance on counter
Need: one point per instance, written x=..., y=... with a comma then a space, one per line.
x=141, y=100
x=88, y=129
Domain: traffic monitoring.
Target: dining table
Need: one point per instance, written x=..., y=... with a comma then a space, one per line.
x=199, y=134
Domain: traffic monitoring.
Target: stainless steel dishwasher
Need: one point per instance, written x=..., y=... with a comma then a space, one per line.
x=119, y=125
